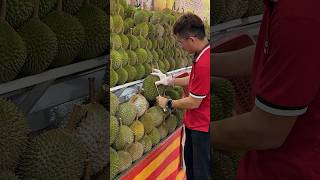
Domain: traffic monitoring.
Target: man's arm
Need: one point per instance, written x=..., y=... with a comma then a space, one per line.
x=184, y=103
x=184, y=81
x=233, y=63
x=253, y=130
x=187, y=103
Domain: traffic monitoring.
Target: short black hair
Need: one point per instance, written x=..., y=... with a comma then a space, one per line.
x=189, y=25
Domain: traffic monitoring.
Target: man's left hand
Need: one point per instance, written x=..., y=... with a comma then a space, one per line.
x=162, y=101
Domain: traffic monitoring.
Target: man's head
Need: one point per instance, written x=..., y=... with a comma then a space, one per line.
x=190, y=32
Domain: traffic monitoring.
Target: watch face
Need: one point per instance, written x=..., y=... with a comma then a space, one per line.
x=170, y=104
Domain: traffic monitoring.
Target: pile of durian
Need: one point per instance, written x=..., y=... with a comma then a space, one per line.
x=226, y=10
x=224, y=164
x=138, y=125
x=141, y=40
x=76, y=150
x=36, y=35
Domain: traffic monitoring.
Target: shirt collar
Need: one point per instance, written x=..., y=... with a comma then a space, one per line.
x=198, y=55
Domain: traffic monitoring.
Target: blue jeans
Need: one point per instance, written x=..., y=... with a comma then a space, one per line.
x=197, y=155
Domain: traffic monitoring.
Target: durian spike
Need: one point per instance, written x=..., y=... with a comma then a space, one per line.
x=92, y=95
x=75, y=117
x=3, y=9
x=36, y=8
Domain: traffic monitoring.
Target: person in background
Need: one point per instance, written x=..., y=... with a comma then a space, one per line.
x=190, y=33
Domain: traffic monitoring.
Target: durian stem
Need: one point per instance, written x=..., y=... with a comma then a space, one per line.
x=92, y=90
x=118, y=11
x=120, y=121
x=75, y=117
x=134, y=98
x=3, y=9
x=59, y=6
x=87, y=2
x=36, y=8
x=134, y=139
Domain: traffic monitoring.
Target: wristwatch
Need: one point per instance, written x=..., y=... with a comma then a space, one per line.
x=169, y=104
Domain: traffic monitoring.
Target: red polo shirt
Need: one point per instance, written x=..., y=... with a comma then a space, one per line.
x=199, y=87
x=286, y=82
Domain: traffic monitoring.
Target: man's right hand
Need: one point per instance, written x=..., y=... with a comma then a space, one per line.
x=164, y=79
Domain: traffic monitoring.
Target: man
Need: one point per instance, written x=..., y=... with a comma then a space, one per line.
x=190, y=33
x=282, y=131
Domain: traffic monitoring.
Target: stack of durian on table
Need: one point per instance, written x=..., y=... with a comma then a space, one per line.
x=37, y=35
x=141, y=40
x=138, y=125
x=76, y=149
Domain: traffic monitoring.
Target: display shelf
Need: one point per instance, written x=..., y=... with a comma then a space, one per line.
x=113, y=89
x=52, y=74
x=126, y=91
x=36, y=96
x=235, y=23
x=250, y=29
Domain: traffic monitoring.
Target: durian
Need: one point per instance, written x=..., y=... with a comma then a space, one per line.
x=114, y=103
x=150, y=91
x=135, y=150
x=70, y=34
x=94, y=21
x=41, y=43
x=13, y=135
x=53, y=155
x=141, y=104
x=147, y=143
x=125, y=160
x=127, y=112
x=114, y=128
x=147, y=121
x=13, y=51
x=154, y=136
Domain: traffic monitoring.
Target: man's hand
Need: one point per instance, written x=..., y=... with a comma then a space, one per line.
x=164, y=79
x=162, y=101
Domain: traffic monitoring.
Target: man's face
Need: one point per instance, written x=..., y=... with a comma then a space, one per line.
x=187, y=43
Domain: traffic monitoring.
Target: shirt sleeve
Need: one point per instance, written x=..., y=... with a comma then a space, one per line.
x=290, y=77
x=201, y=82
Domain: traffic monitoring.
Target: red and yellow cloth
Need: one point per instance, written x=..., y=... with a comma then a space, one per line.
x=164, y=162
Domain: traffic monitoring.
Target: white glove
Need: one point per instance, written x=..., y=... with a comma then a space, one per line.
x=164, y=79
